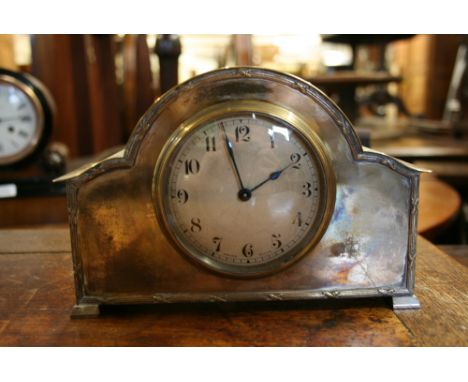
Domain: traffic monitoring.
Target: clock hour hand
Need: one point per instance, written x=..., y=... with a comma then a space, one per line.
x=273, y=176
x=231, y=155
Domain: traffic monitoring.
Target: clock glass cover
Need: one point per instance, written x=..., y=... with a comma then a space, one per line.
x=245, y=192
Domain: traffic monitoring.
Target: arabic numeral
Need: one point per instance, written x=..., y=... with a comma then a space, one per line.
x=217, y=242
x=242, y=133
x=275, y=241
x=306, y=189
x=192, y=166
x=210, y=144
x=247, y=250
x=295, y=158
x=182, y=196
x=272, y=138
x=196, y=225
x=298, y=219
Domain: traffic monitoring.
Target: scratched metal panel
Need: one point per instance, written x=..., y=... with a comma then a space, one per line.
x=367, y=240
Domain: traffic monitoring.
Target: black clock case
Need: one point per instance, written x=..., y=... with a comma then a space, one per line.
x=48, y=107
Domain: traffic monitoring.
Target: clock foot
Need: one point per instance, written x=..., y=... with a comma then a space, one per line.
x=405, y=302
x=85, y=310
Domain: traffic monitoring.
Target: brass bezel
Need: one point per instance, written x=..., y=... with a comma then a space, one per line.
x=226, y=108
x=39, y=128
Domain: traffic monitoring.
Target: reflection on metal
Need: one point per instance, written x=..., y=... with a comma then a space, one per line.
x=88, y=166
x=85, y=310
x=121, y=254
x=406, y=303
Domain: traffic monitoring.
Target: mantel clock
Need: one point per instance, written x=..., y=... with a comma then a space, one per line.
x=243, y=184
x=26, y=113
x=29, y=161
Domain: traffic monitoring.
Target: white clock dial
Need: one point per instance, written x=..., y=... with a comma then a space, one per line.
x=243, y=192
x=18, y=122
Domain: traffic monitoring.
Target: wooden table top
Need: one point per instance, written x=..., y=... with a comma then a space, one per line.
x=458, y=252
x=439, y=206
x=37, y=294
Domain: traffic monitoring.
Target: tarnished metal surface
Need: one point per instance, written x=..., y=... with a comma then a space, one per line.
x=406, y=303
x=121, y=255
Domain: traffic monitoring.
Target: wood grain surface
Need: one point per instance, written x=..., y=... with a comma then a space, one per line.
x=37, y=294
x=458, y=252
x=442, y=288
x=439, y=206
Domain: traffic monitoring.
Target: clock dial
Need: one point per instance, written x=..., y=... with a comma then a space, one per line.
x=19, y=122
x=244, y=193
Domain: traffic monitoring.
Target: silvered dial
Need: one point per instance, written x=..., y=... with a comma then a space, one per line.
x=18, y=123
x=244, y=193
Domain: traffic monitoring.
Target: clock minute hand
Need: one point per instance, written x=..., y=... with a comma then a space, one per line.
x=231, y=155
x=273, y=176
